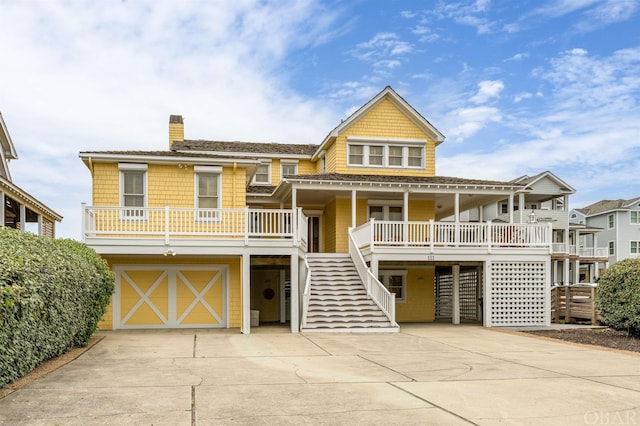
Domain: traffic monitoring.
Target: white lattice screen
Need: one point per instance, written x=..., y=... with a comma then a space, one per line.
x=518, y=296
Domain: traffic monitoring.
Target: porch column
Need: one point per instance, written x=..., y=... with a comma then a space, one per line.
x=283, y=305
x=405, y=206
x=456, y=207
x=510, y=208
x=480, y=214
x=565, y=278
x=245, y=328
x=294, y=198
x=521, y=207
x=295, y=301
x=40, y=228
x=2, y=204
x=23, y=218
x=353, y=208
x=455, y=315
x=576, y=272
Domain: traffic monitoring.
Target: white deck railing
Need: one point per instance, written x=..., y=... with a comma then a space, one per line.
x=375, y=289
x=563, y=248
x=306, y=294
x=167, y=223
x=452, y=234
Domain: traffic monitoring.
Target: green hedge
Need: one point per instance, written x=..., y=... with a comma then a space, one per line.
x=618, y=296
x=52, y=295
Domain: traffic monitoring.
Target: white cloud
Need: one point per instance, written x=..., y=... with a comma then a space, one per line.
x=487, y=90
x=517, y=57
x=106, y=76
x=463, y=123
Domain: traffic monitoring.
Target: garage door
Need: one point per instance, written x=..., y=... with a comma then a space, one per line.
x=176, y=296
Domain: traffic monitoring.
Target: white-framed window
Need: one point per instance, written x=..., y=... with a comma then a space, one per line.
x=323, y=164
x=634, y=247
x=634, y=217
x=611, y=220
x=133, y=190
x=612, y=248
x=288, y=169
x=504, y=208
x=263, y=174
x=372, y=152
x=208, y=191
x=356, y=155
x=395, y=282
x=376, y=155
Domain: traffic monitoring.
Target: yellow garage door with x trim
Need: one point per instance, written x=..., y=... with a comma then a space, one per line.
x=156, y=296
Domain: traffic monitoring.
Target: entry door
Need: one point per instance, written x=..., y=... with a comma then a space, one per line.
x=313, y=239
x=160, y=296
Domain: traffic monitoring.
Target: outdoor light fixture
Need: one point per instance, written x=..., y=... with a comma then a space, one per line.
x=169, y=252
x=532, y=217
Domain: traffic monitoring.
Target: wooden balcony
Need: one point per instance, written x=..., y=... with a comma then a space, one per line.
x=181, y=226
x=451, y=237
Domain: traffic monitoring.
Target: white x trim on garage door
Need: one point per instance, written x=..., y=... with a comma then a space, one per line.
x=176, y=296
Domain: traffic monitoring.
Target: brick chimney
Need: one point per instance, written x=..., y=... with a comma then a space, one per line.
x=176, y=129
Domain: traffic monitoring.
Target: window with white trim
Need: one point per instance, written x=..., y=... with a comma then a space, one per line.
x=385, y=153
x=208, y=181
x=263, y=175
x=612, y=248
x=611, y=220
x=634, y=247
x=356, y=155
x=288, y=169
x=133, y=190
x=395, y=282
x=634, y=217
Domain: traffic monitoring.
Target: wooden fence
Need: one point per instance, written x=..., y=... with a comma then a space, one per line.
x=574, y=304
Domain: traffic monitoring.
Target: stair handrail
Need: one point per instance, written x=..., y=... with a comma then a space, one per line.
x=306, y=294
x=382, y=297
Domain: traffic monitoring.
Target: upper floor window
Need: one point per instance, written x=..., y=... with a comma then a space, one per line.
x=385, y=153
x=288, y=169
x=611, y=219
x=133, y=189
x=612, y=248
x=634, y=247
x=356, y=155
x=504, y=208
x=635, y=217
x=263, y=175
x=207, y=190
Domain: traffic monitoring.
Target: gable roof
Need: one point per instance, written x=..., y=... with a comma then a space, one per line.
x=603, y=206
x=528, y=181
x=399, y=102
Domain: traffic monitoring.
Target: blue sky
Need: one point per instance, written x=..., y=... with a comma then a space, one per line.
x=517, y=87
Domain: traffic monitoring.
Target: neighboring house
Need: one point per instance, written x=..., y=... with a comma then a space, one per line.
x=349, y=234
x=619, y=222
x=18, y=209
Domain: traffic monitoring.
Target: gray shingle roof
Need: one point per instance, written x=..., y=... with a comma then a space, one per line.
x=444, y=180
x=248, y=147
x=606, y=205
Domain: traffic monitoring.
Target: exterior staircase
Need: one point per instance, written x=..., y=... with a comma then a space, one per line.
x=338, y=299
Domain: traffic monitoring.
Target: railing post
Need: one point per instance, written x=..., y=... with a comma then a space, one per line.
x=405, y=233
x=432, y=236
x=489, y=236
x=550, y=236
x=166, y=224
x=373, y=233
x=567, y=304
x=246, y=226
x=83, y=220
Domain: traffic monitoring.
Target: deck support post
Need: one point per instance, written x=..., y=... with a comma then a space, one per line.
x=246, y=293
x=455, y=317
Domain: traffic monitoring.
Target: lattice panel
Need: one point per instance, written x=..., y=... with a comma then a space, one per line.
x=444, y=296
x=469, y=294
x=518, y=293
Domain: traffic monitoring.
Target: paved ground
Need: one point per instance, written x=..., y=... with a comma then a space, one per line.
x=427, y=374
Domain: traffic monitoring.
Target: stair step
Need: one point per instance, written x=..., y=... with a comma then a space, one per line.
x=339, y=314
x=347, y=324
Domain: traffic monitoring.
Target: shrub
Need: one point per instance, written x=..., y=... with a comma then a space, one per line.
x=52, y=295
x=618, y=296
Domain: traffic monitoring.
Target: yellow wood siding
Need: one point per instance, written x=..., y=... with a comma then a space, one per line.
x=420, y=298
x=167, y=185
x=384, y=120
x=233, y=290
x=306, y=167
x=329, y=226
x=421, y=210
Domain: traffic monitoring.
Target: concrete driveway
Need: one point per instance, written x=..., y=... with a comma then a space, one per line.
x=427, y=374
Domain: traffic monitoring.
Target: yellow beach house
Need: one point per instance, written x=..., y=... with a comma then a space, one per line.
x=355, y=233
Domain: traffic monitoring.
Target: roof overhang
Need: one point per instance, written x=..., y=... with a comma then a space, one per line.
x=23, y=196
